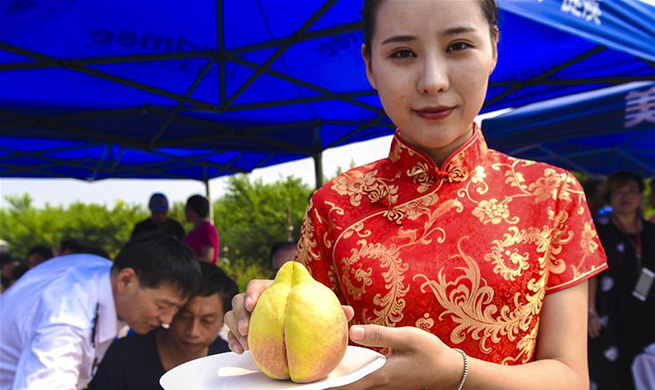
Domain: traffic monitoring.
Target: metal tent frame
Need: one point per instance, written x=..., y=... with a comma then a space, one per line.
x=190, y=139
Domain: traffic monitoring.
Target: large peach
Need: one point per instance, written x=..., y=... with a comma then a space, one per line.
x=298, y=329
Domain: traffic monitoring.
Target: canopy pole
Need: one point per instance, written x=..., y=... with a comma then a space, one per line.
x=318, y=157
x=318, y=169
x=205, y=179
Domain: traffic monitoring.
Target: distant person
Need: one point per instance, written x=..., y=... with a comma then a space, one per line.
x=37, y=255
x=593, y=190
x=282, y=252
x=7, y=267
x=59, y=319
x=98, y=251
x=137, y=362
x=621, y=305
x=159, y=220
x=203, y=239
x=70, y=246
x=19, y=271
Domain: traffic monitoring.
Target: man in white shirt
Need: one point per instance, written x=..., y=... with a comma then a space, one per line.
x=58, y=320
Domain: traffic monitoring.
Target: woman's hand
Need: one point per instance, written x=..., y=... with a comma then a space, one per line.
x=594, y=324
x=417, y=359
x=238, y=319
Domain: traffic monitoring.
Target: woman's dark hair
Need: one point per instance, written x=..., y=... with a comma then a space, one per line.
x=199, y=205
x=621, y=179
x=370, y=10
x=158, y=259
x=216, y=281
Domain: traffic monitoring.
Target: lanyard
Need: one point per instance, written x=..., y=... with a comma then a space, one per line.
x=94, y=330
x=636, y=243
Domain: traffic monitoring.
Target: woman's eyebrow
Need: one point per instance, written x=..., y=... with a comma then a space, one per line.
x=399, y=38
x=448, y=32
x=458, y=30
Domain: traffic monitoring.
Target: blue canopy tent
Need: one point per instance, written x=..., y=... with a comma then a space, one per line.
x=597, y=132
x=160, y=89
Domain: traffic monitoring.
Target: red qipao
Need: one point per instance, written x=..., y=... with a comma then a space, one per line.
x=466, y=252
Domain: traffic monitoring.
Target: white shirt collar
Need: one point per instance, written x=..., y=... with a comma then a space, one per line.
x=108, y=323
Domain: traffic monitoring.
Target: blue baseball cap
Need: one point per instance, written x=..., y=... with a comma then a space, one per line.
x=158, y=202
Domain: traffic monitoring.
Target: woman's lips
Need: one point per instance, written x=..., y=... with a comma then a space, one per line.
x=434, y=113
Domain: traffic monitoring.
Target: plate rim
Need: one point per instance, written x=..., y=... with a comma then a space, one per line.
x=377, y=362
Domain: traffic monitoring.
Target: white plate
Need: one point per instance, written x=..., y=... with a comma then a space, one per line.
x=228, y=371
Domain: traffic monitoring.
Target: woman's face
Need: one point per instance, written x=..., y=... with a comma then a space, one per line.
x=626, y=199
x=430, y=63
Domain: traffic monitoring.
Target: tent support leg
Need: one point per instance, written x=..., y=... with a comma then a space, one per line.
x=318, y=156
x=208, y=194
x=318, y=169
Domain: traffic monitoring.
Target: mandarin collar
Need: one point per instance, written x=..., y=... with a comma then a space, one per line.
x=417, y=165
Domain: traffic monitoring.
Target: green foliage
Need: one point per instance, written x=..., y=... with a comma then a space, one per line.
x=23, y=225
x=252, y=216
x=242, y=272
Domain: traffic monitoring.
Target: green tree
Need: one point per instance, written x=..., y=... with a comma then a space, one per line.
x=252, y=216
x=96, y=226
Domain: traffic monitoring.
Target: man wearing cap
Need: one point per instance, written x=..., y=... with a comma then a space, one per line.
x=159, y=220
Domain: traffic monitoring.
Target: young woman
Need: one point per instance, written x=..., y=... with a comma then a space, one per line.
x=621, y=324
x=466, y=266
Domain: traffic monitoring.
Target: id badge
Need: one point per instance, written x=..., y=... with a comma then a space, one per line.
x=644, y=284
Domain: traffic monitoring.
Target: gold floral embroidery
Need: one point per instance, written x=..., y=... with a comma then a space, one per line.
x=392, y=303
x=363, y=276
x=548, y=186
x=561, y=235
x=307, y=244
x=394, y=215
x=331, y=222
x=395, y=154
x=420, y=174
x=479, y=175
x=412, y=210
x=426, y=323
x=356, y=184
x=467, y=300
x=332, y=276
x=517, y=262
x=514, y=179
x=456, y=169
x=357, y=228
x=473, y=310
x=526, y=347
x=492, y=211
x=589, y=242
x=418, y=207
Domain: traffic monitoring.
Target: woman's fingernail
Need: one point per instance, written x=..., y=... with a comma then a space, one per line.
x=241, y=325
x=248, y=301
x=244, y=342
x=356, y=333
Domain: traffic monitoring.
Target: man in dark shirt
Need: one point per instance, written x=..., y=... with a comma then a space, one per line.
x=159, y=220
x=138, y=362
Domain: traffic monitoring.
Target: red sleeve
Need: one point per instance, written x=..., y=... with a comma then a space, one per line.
x=314, y=248
x=576, y=253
